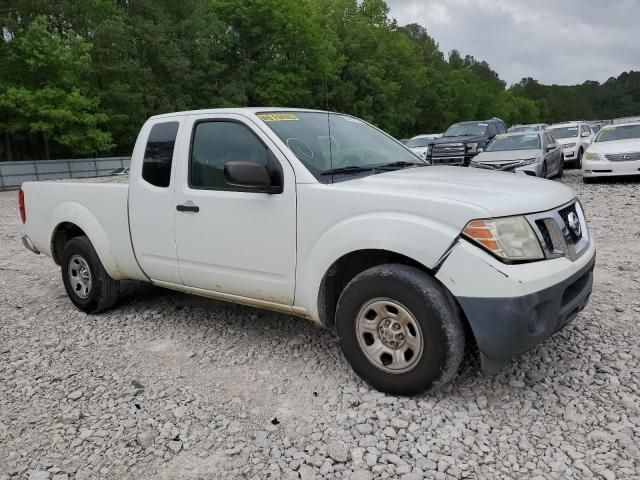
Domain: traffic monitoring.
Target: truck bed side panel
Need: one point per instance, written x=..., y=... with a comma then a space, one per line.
x=98, y=208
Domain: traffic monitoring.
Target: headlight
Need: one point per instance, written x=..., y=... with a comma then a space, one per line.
x=591, y=156
x=511, y=239
x=569, y=145
x=472, y=147
x=528, y=161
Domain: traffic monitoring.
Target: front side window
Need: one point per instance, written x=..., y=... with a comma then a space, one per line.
x=158, y=154
x=215, y=143
x=504, y=143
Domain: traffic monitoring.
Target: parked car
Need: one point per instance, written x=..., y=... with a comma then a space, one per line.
x=535, y=153
x=618, y=121
x=574, y=138
x=534, y=127
x=614, y=152
x=462, y=141
x=421, y=144
x=326, y=217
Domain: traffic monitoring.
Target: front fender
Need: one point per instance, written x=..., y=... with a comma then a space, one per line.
x=419, y=238
x=82, y=217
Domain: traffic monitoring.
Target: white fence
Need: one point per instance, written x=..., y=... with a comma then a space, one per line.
x=12, y=174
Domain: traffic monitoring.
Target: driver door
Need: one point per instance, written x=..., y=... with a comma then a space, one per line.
x=230, y=239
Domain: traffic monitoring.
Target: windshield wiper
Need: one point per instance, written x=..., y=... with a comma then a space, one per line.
x=400, y=164
x=348, y=169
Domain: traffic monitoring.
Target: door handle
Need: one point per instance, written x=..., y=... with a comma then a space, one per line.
x=188, y=208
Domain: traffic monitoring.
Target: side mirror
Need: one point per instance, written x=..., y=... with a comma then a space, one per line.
x=250, y=175
x=551, y=146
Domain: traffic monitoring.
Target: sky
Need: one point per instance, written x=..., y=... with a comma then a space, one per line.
x=561, y=42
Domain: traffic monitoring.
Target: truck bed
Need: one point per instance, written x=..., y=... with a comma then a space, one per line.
x=99, y=206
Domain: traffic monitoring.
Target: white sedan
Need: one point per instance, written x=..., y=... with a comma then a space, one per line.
x=421, y=144
x=614, y=152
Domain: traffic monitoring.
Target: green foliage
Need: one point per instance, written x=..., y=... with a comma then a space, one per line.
x=43, y=85
x=78, y=78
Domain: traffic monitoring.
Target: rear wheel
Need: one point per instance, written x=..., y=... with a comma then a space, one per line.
x=87, y=283
x=400, y=330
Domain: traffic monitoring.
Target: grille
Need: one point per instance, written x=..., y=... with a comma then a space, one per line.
x=448, y=150
x=504, y=166
x=623, y=157
x=555, y=232
x=564, y=214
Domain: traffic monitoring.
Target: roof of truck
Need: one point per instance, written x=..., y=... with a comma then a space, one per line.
x=240, y=110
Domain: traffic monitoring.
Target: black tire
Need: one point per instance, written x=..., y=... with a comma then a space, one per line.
x=561, y=167
x=434, y=309
x=103, y=292
x=589, y=180
x=578, y=162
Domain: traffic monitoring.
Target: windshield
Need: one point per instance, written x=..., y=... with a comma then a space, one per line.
x=622, y=132
x=351, y=143
x=524, y=128
x=564, y=132
x=466, y=129
x=503, y=143
x=419, y=142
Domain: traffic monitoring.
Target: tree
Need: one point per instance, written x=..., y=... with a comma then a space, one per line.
x=43, y=92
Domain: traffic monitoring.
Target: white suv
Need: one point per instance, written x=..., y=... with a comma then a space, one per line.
x=574, y=138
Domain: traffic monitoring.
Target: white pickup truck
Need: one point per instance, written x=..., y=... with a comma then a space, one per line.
x=324, y=216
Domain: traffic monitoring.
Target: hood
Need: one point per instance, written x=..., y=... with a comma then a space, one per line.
x=510, y=155
x=616, y=146
x=499, y=193
x=461, y=139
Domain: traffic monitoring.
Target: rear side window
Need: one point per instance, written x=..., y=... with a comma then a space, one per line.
x=156, y=166
x=216, y=143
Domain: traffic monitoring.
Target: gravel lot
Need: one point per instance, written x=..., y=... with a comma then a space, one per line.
x=169, y=386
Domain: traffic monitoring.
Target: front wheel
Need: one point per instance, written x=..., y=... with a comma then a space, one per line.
x=578, y=162
x=561, y=167
x=400, y=330
x=88, y=284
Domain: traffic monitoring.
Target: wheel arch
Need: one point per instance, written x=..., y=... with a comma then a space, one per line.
x=72, y=220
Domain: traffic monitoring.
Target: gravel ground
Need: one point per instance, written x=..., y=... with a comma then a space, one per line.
x=169, y=386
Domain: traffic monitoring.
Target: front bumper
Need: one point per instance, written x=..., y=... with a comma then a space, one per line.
x=570, y=153
x=459, y=160
x=605, y=168
x=513, y=308
x=506, y=327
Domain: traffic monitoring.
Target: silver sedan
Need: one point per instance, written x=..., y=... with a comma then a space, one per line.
x=532, y=153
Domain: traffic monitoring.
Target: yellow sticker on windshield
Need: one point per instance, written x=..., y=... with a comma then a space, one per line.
x=277, y=117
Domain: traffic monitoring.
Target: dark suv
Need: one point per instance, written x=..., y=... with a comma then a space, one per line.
x=460, y=143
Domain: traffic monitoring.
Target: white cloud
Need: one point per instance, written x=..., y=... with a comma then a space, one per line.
x=554, y=41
